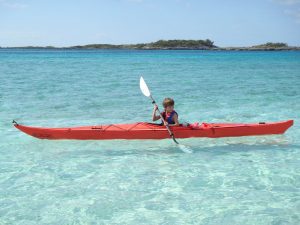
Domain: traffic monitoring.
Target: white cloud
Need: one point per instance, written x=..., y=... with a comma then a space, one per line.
x=292, y=8
x=12, y=4
x=287, y=2
x=297, y=16
x=294, y=13
x=20, y=34
x=135, y=1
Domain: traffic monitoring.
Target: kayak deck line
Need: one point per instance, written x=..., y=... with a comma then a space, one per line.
x=130, y=128
x=144, y=130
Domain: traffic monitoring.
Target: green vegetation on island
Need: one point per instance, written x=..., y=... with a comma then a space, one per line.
x=269, y=46
x=175, y=45
x=272, y=45
x=161, y=44
x=182, y=44
x=97, y=46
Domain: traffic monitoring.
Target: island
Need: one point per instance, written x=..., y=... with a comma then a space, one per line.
x=206, y=44
x=269, y=46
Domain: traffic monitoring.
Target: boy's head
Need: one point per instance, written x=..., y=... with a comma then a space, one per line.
x=168, y=104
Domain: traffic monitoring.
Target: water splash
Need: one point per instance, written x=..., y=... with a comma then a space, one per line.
x=185, y=148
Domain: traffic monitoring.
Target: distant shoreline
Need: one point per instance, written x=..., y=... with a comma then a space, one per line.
x=163, y=49
x=206, y=45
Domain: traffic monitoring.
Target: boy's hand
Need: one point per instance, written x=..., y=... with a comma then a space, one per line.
x=166, y=123
x=155, y=107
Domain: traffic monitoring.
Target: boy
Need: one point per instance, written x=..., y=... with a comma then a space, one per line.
x=170, y=115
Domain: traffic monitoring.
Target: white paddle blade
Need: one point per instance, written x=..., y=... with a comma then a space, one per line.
x=144, y=88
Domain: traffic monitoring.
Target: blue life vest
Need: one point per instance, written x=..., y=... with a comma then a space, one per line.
x=169, y=118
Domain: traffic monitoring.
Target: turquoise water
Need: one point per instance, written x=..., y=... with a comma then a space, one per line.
x=248, y=180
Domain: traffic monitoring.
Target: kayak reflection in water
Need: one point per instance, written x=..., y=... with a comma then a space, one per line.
x=170, y=115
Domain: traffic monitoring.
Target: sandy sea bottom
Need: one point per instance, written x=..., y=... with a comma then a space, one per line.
x=247, y=180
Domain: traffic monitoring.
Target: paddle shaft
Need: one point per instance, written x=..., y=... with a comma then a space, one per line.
x=163, y=120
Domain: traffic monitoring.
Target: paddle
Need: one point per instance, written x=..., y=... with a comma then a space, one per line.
x=145, y=90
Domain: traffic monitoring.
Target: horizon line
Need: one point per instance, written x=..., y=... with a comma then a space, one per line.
x=141, y=43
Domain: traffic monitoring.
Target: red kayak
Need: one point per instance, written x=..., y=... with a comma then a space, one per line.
x=144, y=130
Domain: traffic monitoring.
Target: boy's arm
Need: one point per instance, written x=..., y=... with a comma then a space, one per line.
x=154, y=116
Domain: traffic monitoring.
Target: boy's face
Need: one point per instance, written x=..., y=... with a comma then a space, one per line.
x=169, y=108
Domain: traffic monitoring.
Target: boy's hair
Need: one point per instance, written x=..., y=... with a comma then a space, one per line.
x=168, y=102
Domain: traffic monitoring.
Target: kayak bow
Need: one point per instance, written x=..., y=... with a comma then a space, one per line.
x=144, y=130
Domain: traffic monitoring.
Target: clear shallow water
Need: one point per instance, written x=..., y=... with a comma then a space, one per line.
x=248, y=180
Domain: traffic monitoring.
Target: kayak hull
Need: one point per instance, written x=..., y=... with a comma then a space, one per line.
x=144, y=130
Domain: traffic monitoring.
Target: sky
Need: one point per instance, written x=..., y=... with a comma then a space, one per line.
x=79, y=22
